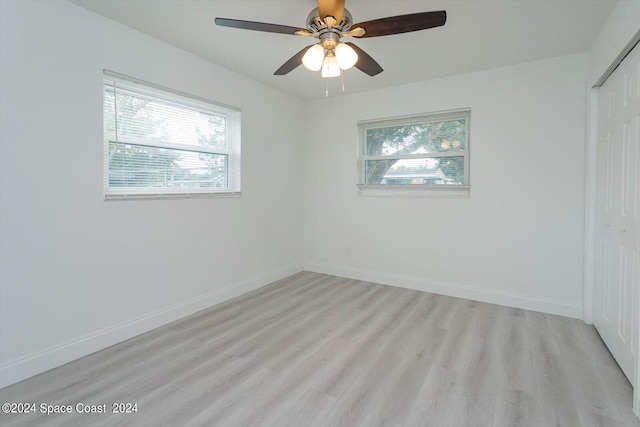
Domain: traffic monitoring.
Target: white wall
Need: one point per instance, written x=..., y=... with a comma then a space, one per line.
x=518, y=240
x=79, y=273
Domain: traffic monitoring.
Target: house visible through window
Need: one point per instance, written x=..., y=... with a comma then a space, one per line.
x=158, y=142
x=428, y=153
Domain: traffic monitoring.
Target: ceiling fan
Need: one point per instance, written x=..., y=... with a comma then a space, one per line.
x=330, y=22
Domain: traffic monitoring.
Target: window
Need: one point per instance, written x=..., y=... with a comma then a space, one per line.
x=418, y=155
x=159, y=143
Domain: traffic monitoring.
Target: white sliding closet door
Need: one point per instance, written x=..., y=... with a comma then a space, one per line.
x=617, y=257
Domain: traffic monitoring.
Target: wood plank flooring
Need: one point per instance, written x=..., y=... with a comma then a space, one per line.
x=318, y=350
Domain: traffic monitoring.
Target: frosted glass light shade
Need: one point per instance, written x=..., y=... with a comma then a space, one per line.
x=314, y=57
x=346, y=56
x=330, y=67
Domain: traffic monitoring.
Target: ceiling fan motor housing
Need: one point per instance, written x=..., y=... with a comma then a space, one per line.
x=316, y=25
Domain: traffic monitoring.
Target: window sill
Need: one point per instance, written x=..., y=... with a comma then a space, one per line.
x=147, y=196
x=446, y=191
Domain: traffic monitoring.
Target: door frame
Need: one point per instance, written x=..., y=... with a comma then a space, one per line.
x=592, y=99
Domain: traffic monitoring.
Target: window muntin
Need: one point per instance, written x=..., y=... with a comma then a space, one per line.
x=161, y=143
x=420, y=152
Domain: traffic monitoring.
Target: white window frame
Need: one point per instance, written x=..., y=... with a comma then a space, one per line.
x=414, y=190
x=166, y=95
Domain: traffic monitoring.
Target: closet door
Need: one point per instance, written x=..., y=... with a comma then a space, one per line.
x=617, y=269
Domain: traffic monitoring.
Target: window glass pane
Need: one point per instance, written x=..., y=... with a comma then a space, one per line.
x=435, y=137
x=430, y=171
x=160, y=142
x=156, y=120
x=152, y=167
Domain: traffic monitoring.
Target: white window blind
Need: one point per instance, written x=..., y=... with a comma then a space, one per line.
x=160, y=143
x=417, y=155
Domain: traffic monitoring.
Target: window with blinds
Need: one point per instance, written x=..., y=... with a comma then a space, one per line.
x=161, y=143
x=418, y=155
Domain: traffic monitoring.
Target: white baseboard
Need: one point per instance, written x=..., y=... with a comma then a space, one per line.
x=50, y=358
x=510, y=299
x=636, y=388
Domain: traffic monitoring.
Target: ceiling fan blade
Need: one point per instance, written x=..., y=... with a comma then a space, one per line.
x=333, y=8
x=260, y=26
x=366, y=63
x=402, y=23
x=292, y=63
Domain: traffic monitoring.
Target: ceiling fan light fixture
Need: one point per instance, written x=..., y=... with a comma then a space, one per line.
x=346, y=56
x=330, y=67
x=314, y=58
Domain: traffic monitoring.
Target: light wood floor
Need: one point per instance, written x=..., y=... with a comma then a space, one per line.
x=317, y=350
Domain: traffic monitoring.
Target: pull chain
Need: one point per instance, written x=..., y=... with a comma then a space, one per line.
x=326, y=89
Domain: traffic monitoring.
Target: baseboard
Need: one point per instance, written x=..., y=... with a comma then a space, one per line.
x=36, y=363
x=510, y=299
x=636, y=388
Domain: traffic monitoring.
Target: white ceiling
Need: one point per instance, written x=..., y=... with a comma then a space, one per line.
x=479, y=34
